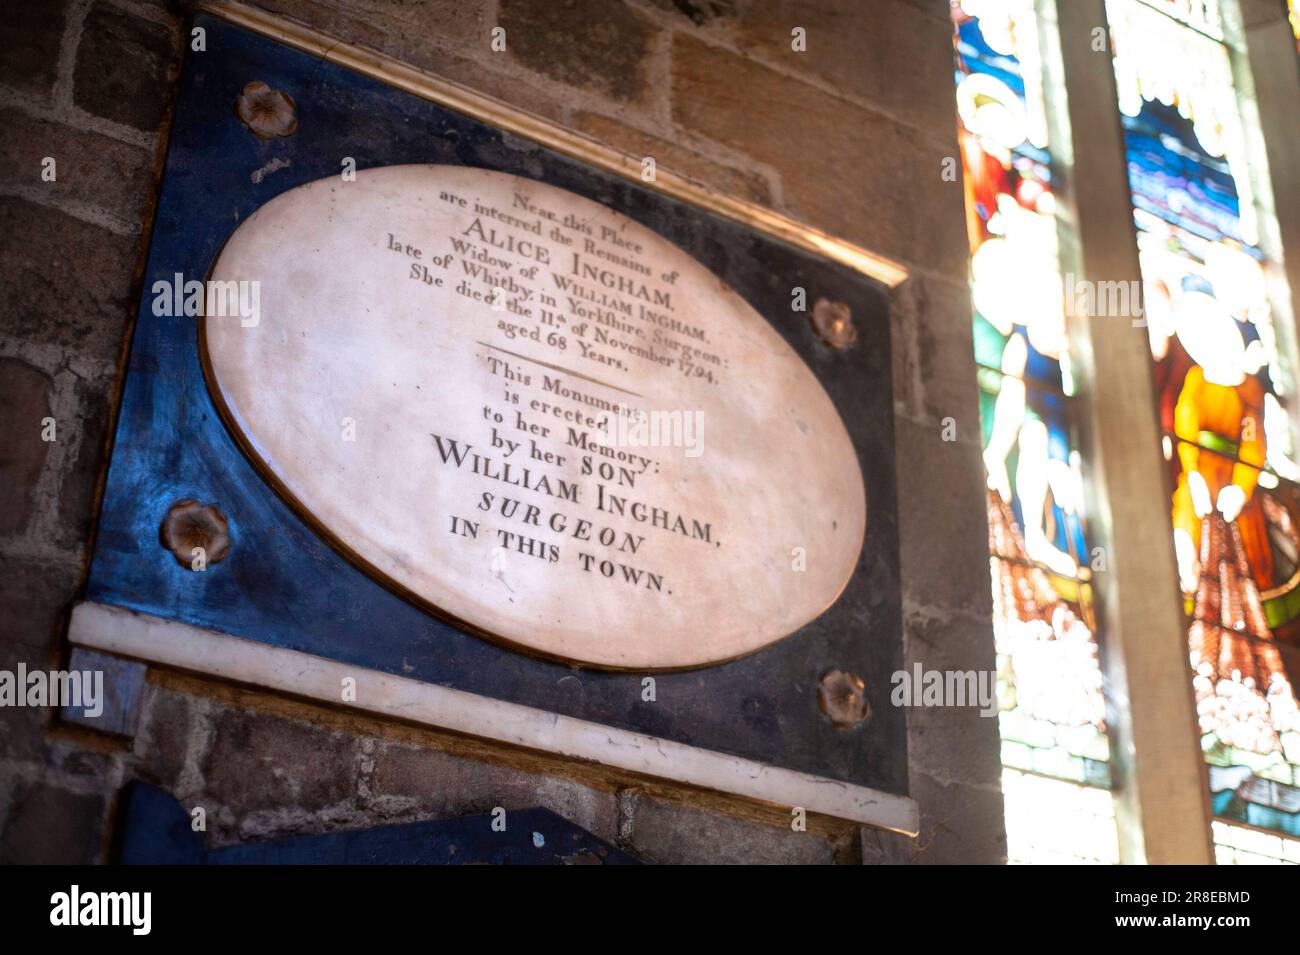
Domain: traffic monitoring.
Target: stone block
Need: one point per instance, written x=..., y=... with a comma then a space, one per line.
x=438, y=784
x=48, y=825
x=262, y=761
x=674, y=833
x=599, y=45
x=125, y=68
x=64, y=282
x=889, y=53
x=943, y=521
x=851, y=171
x=90, y=168
x=29, y=55
x=25, y=398
x=675, y=157
x=960, y=825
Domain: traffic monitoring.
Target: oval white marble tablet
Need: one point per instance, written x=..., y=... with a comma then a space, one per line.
x=535, y=416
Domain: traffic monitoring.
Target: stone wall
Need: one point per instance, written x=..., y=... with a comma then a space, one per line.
x=849, y=136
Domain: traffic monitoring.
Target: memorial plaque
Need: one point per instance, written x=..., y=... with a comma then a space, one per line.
x=413, y=459
x=536, y=415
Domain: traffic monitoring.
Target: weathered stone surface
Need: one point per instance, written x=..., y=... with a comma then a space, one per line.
x=942, y=519
x=841, y=165
x=939, y=638
x=168, y=726
x=934, y=9
x=960, y=825
x=28, y=619
x=47, y=825
x=494, y=75
x=586, y=43
x=390, y=27
x=21, y=735
x=439, y=785
x=80, y=477
x=262, y=761
x=33, y=602
x=672, y=833
x=90, y=168
x=66, y=282
x=453, y=23
x=674, y=157
x=934, y=351
x=29, y=55
x=885, y=848
x=449, y=38
x=24, y=405
x=70, y=759
x=889, y=53
x=125, y=65
x=953, y=743
x=320, y=14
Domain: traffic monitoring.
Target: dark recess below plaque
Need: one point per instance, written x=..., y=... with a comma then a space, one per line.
x=283, y=585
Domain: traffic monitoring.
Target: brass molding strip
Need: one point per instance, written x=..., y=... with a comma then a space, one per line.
x=171, y=643
x=520, y=123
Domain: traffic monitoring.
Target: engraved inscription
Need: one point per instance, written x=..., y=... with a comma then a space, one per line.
x=560, y=428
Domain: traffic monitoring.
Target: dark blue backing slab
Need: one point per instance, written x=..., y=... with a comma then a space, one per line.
x=284, y=586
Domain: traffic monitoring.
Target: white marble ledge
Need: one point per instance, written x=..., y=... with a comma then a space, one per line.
x=175, y=644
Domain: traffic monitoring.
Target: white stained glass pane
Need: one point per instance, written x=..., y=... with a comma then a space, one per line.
x=1053, y=822
x=1201, y=14
x=1241, y=845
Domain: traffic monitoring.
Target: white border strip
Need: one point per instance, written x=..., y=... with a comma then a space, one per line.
x=187, y=647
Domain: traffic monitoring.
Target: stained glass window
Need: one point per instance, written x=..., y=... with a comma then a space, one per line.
x=1051, y=821
x=1052, y=713
x=1224, y=377
x=1202, y=14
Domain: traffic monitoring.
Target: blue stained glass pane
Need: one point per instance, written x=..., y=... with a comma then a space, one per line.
x=1174, y=178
